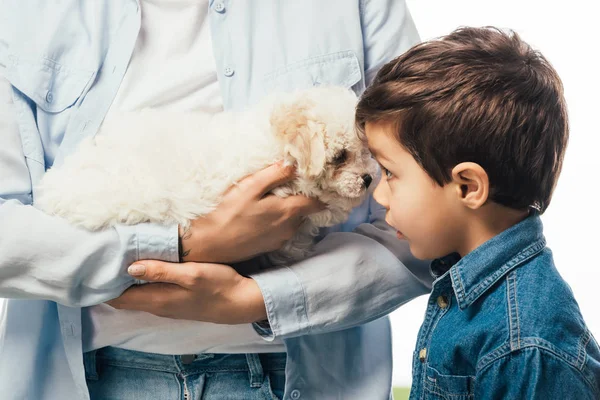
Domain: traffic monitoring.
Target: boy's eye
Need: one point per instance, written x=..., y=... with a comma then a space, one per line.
x=387, y=173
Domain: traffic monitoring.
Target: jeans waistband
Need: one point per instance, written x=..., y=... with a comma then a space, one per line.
x=187, y=364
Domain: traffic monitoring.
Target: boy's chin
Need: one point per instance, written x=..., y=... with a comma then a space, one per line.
x=422, y=253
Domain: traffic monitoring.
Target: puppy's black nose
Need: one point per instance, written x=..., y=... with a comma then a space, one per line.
x=367, y=179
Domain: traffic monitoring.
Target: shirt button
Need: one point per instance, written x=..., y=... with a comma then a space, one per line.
x=442, y=302
x=423, y=355
x=228, y=71
x=188, y=358
x=220, y=7
x=295, y=394
x=49, y=96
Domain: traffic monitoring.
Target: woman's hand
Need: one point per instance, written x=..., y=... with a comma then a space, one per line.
x=194, y=291
x=248, y=222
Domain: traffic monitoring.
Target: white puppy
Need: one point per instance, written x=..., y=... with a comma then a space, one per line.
x=166, y=167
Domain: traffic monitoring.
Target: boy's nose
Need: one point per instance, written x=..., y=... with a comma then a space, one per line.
x=367, y=179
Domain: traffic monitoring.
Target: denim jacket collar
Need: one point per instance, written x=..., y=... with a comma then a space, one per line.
x=475, y=273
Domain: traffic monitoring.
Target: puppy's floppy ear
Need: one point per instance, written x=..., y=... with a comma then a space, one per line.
x=303, y=137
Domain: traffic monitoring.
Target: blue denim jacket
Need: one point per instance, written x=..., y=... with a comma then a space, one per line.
x=501, y=323
x=64, y=62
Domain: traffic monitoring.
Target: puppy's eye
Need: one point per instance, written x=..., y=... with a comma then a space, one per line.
x=340, y=157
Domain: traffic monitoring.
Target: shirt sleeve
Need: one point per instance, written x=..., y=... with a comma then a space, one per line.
x=44, y=257
x=388, y=31
x=533, y=373
x=353, y=277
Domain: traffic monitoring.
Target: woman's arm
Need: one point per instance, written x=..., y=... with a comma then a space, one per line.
x=43, y=257
x=353, y=277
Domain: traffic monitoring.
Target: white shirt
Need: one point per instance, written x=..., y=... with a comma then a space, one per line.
x=172, y=68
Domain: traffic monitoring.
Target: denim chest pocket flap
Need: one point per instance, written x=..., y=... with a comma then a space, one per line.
x=52, y=86
x=456, y=387
x=335, y=69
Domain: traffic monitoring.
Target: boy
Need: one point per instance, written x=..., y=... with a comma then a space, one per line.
x=470, y=131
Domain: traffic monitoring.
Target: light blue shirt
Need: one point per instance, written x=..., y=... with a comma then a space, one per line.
x=65, y=61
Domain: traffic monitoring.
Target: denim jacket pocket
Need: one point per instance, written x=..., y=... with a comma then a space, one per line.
x=335, y=69
x=447, y=387
x=52, y=86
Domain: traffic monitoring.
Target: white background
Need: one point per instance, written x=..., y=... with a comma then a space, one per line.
x=563, y=32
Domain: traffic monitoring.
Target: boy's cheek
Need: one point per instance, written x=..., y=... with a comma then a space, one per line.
x=381, y=195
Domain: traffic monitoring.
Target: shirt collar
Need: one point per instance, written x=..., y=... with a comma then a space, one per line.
x=475, y=273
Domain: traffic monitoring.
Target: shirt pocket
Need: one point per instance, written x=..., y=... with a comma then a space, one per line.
x=53, y=87
x=447, y=387
x=335, y=69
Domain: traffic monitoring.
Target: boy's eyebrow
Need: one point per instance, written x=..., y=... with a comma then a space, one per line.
x=378, y=155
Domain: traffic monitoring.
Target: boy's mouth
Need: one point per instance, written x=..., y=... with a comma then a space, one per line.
x=399, y=235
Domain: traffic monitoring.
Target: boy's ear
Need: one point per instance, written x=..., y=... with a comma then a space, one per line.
x=472, y=184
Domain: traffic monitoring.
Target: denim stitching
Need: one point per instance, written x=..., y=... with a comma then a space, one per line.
x=521, y=257
x=431, y=321
x=197, y=371
x=273, y=366
x=517, y=308
x=526, y=343
x=255, y=370
x=511, y=317
x=445, y=395
x=436, y=389
x=541, y=344
x=136, y=365
x=514, y=275
x=581, y=353
x=90, y=366
x=493, y=355
x=421, y=340
x=459, y=289
x=269, y=387
x=509, y=314
x=152, y=367
x=518, y=259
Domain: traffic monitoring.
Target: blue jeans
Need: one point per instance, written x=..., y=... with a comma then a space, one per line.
x=113, y=373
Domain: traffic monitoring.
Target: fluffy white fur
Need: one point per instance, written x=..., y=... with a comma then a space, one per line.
x=173, y=167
